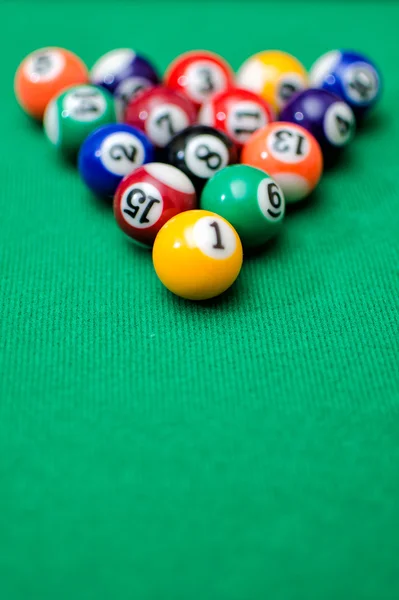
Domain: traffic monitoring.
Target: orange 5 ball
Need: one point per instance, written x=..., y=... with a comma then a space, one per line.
x=43, y=75
x=289, y=154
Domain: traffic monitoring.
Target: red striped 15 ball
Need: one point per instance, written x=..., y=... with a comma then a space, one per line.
x=147, y=198
x=160, y=113
x=237, y=112
x=198, y=75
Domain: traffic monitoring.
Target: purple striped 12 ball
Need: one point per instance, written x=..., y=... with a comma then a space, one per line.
x=125, y=74
x=330, y=120
x=350, y=75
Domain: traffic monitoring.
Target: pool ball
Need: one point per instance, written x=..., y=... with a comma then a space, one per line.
x=110, y=153
x=75, y=113
x=160, y=113
x=350, y=75
x=289, y=154
x=125, y=74
x=249, y=199
x=274, y=75
x=199, y=74
x=150, y=196
x=43, y=74
x=325, y=115
x=237, y=112
x=197, y=255
x=200, y=152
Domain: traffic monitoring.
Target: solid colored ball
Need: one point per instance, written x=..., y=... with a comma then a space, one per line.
x=44, y=74
x=351, y=76
x=289, y=154
x=199, y=74
x=249, y=199
x=74, y=114
x=197, y=255
x=147, y=198
x=200, y=152
x=125, y=74
x=110, y=153
x=237, y=112
x=161, y=113
x=274, y=75
x=325, y=115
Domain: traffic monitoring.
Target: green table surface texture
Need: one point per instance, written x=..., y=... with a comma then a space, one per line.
x=157, y=449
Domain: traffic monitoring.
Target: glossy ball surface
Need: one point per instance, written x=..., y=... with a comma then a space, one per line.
x=289, y=154
x=125, y=74
x=197, y=255
x=274, y=75
x=74, y=114
x=351, y=76
x=325, y=115
x=147, y=198
x=237, y=112
x=109, y=154
x=45, y=73
x=161, y=113
x=198, y=75
x=248, y=199
x=200, y=152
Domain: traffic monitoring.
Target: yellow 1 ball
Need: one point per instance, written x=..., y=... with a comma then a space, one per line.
x=197, y=255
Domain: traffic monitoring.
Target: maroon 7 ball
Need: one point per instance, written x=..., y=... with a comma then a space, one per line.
x=150, y=196
x=161, y=113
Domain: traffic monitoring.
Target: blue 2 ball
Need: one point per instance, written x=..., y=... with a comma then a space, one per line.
x=110, y=153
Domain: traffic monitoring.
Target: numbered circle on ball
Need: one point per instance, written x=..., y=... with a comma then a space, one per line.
x=288, y=145
x=44, y=65
x=164, y=122
x=204, y=78
x=205, y=155
x=85, y=104
x=121, y=153
x=339, y=123
x=289, y=84
x=141, y=205
x=214, y=237
x=271, y=200
x=361, y=83
x=245, y=118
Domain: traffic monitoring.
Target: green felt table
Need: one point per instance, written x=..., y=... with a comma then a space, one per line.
x=152, y=448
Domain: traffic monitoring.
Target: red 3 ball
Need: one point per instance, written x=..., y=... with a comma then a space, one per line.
x=147, y=198
x=160, y=113
x=237, y=112
x=199, y=74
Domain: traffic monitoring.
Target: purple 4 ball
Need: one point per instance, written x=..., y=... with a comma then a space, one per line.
x=330, y=120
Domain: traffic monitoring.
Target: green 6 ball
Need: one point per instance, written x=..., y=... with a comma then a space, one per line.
x=249, y=199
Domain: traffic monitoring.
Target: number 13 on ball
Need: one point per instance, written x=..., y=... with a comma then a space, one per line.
x=197, y=255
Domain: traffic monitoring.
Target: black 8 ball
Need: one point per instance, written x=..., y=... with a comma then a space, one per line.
x=200, y=152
